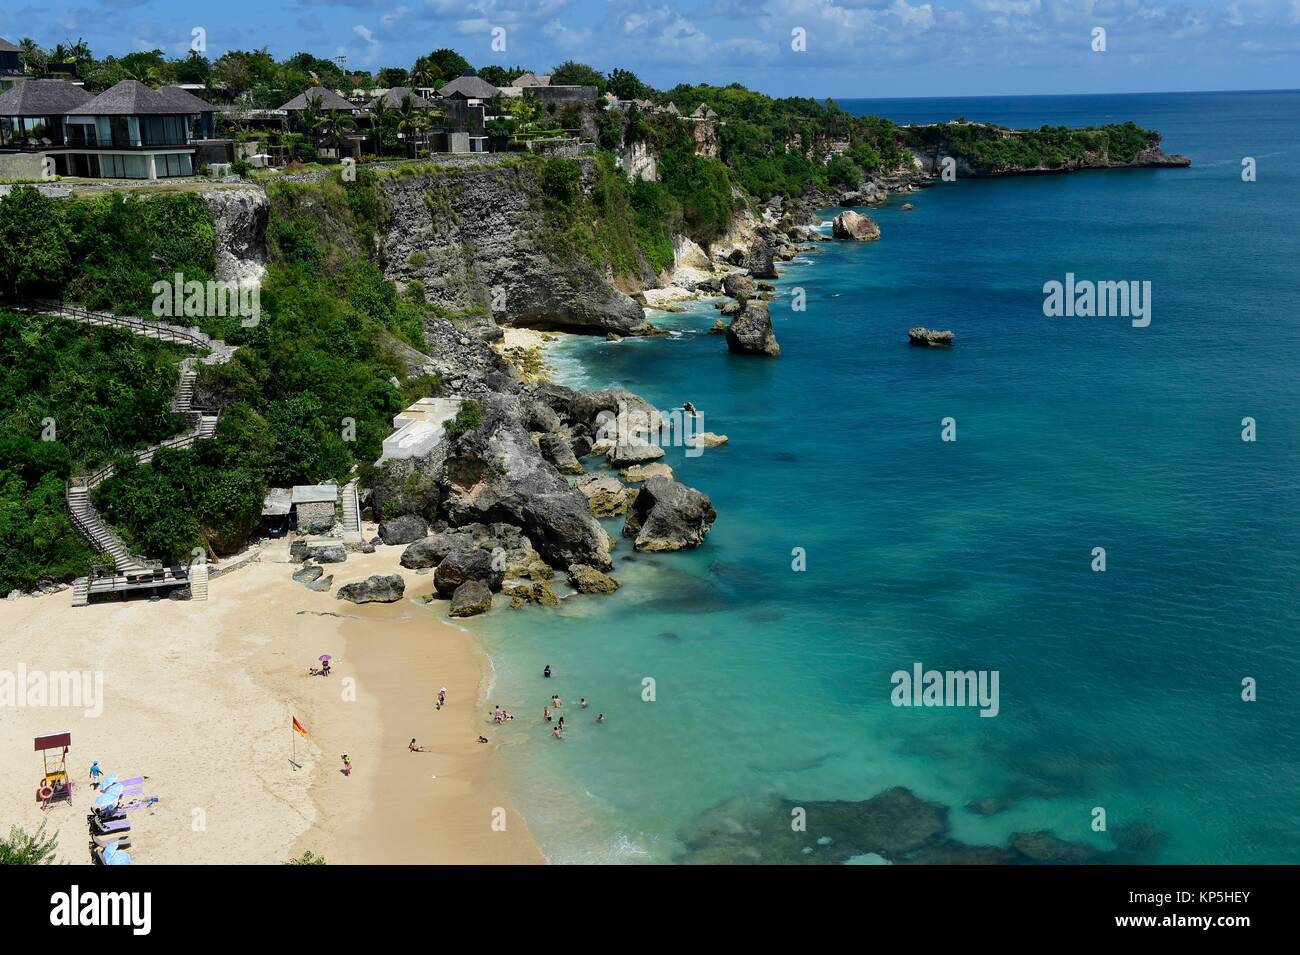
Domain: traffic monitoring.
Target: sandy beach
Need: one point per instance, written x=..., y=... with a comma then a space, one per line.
x=199, y=696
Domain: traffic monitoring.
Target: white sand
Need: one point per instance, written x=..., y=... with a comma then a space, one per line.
x=198, y=696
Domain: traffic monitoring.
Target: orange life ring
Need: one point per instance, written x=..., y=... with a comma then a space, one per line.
x=47, y=792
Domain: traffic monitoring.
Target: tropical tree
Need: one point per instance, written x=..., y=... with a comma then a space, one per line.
x=411, y=121
x=33, y=57
x=25, y=848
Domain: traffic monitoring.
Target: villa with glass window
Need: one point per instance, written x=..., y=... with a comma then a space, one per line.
x=132, y=132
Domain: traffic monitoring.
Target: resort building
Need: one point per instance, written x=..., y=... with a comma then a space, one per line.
x=130, y=132
x=127, y=132
x=32, y=113
x=419, y=428
x=11, y=64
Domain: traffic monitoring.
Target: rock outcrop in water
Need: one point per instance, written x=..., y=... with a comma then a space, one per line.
x=854, y=225
x=750, y=331
x=929, y=337
x=668, y=515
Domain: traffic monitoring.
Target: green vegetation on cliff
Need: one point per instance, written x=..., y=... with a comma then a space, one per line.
x=306, y=396
x=96, y=392
x=998, y=149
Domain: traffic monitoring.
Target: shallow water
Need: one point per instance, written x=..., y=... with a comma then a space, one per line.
x=1118, y=689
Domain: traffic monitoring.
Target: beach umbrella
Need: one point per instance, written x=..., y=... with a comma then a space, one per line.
x=107, y=800
x=325, y=658
x=107, y=781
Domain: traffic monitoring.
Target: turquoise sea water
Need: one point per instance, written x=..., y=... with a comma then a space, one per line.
x=1118, y=689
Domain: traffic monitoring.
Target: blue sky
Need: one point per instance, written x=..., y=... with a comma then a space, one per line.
x=875, y=48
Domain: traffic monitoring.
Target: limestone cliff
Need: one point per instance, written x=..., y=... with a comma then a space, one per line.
x=475, y=238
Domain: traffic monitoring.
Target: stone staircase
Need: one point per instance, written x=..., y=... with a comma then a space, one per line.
x=78, y=493
x=183, y=400
x=198, y=581
x=351, y=513
x=96, y=530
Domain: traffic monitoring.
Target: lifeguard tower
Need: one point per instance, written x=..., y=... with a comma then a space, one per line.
x=55, y=783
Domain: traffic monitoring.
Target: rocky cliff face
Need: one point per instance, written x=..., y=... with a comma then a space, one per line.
x=475, y=238
x=239, y=216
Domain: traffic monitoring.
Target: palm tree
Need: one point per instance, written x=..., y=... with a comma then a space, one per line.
x=409, y=122
x=33, y=57
x=424, y=73
x=340, y=122
x=381, y=117
x=312, y=119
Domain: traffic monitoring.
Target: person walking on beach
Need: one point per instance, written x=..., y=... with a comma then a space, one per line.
x=95, y=773
x=347, y=764
x=442, y=697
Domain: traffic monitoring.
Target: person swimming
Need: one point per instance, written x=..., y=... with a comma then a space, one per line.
x=560, y=725
x=600, y=717
x=583, y=702
x=547, y=671
x=556, y=732
x=546, y=713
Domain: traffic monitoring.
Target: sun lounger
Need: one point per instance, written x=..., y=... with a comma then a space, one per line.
x=110, y=854
x=102, y=827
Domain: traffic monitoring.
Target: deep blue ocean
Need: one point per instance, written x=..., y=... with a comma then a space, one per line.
x=1119, y=689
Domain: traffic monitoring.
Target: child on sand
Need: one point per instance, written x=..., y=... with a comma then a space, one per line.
x=347, y=764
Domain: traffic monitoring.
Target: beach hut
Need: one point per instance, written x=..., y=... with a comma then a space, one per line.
x=313, y=507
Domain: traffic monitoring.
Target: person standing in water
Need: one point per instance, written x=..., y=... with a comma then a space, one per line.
x=547, y=671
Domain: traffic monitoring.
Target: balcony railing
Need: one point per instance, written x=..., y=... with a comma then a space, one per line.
x=90, y=137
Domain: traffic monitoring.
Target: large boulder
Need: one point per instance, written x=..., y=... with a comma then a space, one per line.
x=496, y=474
x=320, y=551
x=307, y=573
x=560, y=453
x=668, y=515
x=468, y=563
x=430, y=551
x=760, y=261
x=626, y=454
x=738, y=285
x=589, y=580
x=605, y=494
x=385, y=588
x=615, y=415
x=750, y=332
x=403, y=530
x=637, y=473
x=854, y=225
x=470, y=598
